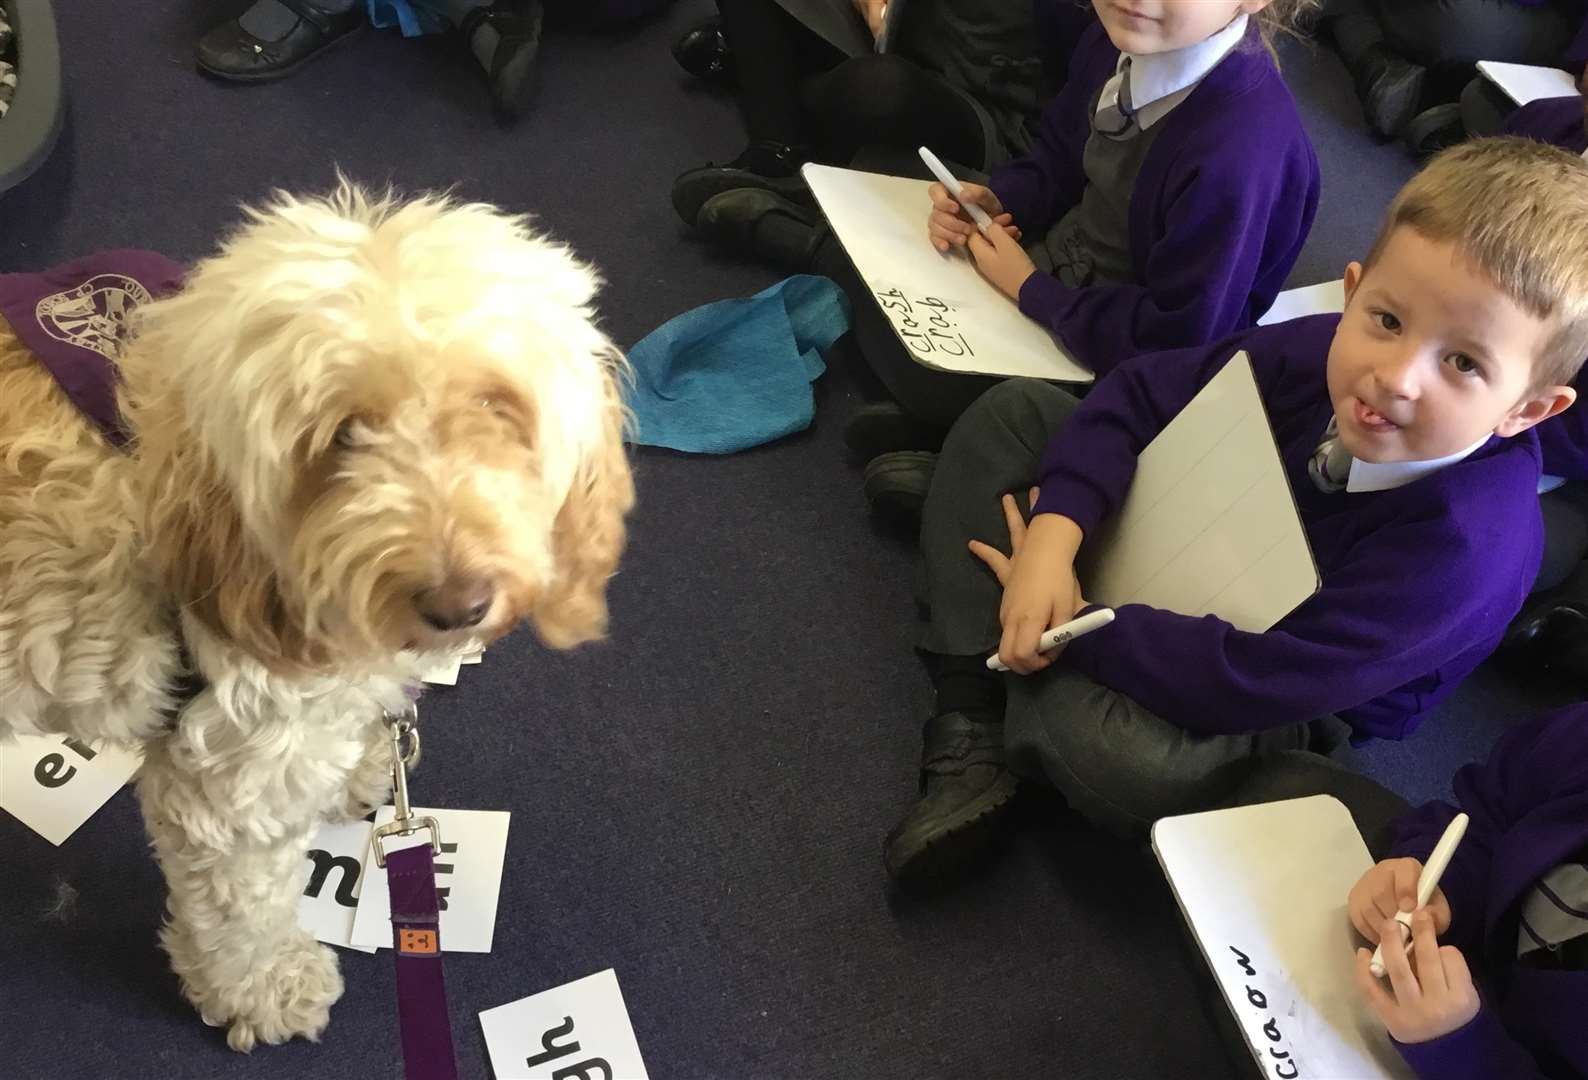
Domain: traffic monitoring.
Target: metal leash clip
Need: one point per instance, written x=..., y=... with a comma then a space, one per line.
x=404, y=731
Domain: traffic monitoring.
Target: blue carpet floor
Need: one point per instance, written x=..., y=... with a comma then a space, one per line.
x=700, y=802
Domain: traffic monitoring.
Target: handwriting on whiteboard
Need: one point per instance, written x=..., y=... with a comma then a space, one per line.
x=926, y=324
x=1278, y=1060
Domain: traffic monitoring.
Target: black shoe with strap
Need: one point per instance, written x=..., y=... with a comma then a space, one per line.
x=966, y=788
x=231, y=52
x=516, y=26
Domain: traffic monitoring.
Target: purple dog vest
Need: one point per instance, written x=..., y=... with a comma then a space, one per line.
x=74, y=317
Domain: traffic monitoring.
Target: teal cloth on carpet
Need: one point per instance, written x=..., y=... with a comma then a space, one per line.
x=415, y=19
x=736, y=373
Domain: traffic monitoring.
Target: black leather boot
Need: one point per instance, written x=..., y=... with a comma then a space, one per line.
x=965, y=790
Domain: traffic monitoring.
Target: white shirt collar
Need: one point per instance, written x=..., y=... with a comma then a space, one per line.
x=1375, y=476
x=1160, y=81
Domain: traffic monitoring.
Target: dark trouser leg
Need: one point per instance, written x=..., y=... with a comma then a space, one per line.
x=1296, y=774
x=936, y=397
x=996, y=447
x=1389, y=85
x=889, y=100
x=1565, y=535
x=1355, y=28
x=1114, y=761
x=773, y=56
x=1118, y=764
x=1459, y=33
x=965, y=784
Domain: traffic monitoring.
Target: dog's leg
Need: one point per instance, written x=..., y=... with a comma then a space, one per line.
x=233, y=868
x=369, y=785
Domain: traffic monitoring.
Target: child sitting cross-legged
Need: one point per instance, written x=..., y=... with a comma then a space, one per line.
x=1405, y=429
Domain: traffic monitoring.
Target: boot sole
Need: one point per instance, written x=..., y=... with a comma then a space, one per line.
x=931, y=855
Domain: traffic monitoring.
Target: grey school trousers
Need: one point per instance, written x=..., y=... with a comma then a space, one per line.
x=1114, y=761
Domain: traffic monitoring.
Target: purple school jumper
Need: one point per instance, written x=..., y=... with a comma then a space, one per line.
x=73, y=318
x=1419, y=581
x=1564, y=438
x=1529, y=810
x=1220, y=210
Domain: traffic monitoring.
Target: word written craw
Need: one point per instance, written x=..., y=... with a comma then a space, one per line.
x=925, y=323
x=1285, y=1068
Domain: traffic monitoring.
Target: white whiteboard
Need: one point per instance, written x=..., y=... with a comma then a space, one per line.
x=1263, y=889
x=1523, y=83
x=947, y=315
x=1327, y=297
x=1209, y=526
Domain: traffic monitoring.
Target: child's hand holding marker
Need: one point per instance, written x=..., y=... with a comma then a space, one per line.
x=1389, y=887
x=960, y=210
x=950, y=225
x=1431, y=991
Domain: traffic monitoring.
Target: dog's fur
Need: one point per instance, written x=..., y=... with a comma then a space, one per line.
x=355, y=404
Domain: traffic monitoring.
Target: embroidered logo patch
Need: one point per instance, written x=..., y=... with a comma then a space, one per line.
x=93, y=315
x=417, y=942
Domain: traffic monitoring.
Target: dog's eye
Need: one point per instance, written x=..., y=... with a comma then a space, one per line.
x=344, y=434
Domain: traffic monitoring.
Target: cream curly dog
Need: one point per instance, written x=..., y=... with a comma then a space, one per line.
x=364, y=429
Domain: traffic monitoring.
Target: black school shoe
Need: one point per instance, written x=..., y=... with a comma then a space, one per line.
x=703, y=52
x=897, y=484
x=230, y=52
x=1435, y=129
x=769, y=166
x=1548, y=636
x=966, y=789
x=763, y=225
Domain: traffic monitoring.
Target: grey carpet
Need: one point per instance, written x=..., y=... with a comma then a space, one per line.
x=700, y=802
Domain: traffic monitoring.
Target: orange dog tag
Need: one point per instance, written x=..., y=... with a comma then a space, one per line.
x=416, y=941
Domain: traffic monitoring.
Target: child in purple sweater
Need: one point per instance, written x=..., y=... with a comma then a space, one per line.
x=1405, y=427
x=1513, y=904
x=1167, y=194
x=1495, y=983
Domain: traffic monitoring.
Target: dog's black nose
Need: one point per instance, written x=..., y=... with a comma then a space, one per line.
x=457, y=605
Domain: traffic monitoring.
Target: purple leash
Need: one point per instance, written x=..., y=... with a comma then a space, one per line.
x=422, y=1017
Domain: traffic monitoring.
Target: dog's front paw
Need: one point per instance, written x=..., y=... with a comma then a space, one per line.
x=368, y=786
x=290, y=997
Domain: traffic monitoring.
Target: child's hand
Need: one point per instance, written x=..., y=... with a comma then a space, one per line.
x=1389, y=887
x=1434, y=999
x=1002, y=261
x=1040, y=590
x=871, y=11
x=949, y=226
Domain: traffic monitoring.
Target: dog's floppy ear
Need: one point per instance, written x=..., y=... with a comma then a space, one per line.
x=589, y=535
x=201, y=549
